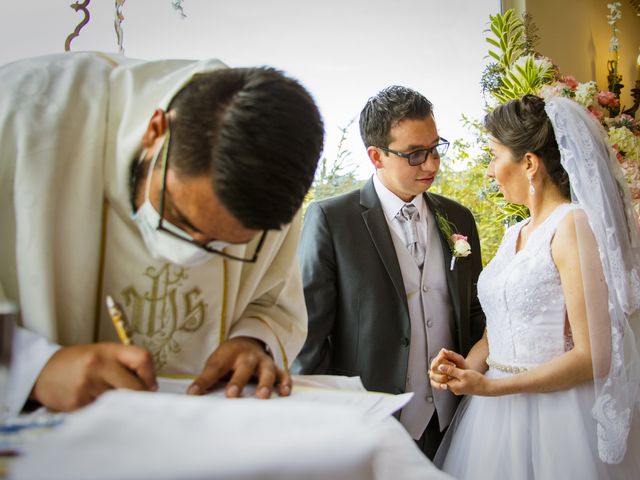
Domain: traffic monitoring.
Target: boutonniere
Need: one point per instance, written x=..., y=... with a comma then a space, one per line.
x=458, y=243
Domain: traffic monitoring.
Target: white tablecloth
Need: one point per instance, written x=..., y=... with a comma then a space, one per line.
x=135, y=435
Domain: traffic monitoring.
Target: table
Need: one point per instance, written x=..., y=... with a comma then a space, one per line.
x=139, y=435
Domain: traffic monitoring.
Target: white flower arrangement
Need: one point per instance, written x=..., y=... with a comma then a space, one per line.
x=585, y=93
x=625, y=141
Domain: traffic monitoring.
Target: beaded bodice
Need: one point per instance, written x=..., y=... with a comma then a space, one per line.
x=522, y=297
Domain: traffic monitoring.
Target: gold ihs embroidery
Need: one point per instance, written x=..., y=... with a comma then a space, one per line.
x=162, y=311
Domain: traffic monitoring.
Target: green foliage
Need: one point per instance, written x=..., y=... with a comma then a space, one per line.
x=509, y=40
x=531, y=36
x=469, y=187
x=518, y=71
x=525, y=76
x=448, y=229
x=490, y=80
x=510, y=213
x=463, y=178
x=334, y=177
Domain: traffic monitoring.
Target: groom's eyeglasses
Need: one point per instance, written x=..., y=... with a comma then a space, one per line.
x=418, y=157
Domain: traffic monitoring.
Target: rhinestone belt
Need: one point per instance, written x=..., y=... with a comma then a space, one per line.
x=505, y=368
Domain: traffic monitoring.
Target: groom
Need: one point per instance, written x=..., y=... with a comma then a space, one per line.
x=381, y=290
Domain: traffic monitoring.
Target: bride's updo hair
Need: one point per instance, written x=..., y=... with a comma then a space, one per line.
x=523, y=126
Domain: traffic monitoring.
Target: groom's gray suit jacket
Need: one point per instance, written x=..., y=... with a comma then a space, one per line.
x=358, y=315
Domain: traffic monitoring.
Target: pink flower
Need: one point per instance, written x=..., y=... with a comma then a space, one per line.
x=607, y=99
x=619, y=156
x=548, y=91
x=456, y=236
x=596, y=112
x=570, y=81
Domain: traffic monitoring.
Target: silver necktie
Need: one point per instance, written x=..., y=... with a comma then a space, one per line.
x=408, y=217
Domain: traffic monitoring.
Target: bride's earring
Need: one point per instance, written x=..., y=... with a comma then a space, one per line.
x=532, y=189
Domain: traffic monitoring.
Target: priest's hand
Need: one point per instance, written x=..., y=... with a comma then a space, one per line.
x=243, y=358
x=75, y=376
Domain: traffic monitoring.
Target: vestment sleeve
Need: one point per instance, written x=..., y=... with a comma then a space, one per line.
x=30, y=353
x=276, y=313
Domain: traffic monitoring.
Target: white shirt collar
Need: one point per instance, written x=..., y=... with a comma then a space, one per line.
x=391, y=203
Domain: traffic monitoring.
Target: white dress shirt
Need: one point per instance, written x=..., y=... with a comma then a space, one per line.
x=391, y=206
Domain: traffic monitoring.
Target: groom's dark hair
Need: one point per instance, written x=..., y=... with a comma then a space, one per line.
x=388, y=108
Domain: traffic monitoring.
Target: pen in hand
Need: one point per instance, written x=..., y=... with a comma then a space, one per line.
x=143, y=370
x=117, y=317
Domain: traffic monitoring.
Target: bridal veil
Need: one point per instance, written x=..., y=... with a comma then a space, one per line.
x=609, y=248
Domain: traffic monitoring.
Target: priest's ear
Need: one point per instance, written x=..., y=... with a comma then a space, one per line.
x=156, y=128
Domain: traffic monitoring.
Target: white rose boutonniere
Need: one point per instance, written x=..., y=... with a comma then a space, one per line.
x=458, y=243
x=461, y=247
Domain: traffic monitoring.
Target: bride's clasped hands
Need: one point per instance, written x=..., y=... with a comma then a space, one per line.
x=450, y=371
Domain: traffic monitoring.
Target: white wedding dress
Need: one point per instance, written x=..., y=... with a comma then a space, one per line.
x=532, y=435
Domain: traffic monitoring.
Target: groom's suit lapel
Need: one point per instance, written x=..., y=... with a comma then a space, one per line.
x=452, y=276
x=374, y=219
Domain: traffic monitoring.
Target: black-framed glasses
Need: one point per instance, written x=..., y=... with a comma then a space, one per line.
x=206, y=248
x=418, y=157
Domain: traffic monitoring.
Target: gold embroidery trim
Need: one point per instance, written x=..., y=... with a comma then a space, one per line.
x=106, y=57
x=223, y=313
x=103, y=248
x=285, y=360
x=177, y=376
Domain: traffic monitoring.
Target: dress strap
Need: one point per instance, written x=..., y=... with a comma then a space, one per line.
x=547, y=230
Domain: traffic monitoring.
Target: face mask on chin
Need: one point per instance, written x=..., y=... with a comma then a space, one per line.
x=160, y=244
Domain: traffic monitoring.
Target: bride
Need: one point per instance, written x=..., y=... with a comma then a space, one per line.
x=554, y=385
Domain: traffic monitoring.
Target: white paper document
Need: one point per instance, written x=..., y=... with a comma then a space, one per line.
x=325, y=389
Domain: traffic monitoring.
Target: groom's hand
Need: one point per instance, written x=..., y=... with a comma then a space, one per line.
x=453, y=358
